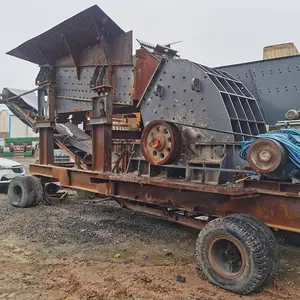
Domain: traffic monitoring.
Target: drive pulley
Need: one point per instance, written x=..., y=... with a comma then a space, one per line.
x=161, y=142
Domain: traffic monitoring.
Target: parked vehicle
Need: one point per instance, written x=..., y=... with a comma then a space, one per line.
x=10, y=169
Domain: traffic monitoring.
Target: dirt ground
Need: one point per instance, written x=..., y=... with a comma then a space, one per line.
x=66, y=251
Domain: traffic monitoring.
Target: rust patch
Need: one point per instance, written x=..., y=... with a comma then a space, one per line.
x=146, y=64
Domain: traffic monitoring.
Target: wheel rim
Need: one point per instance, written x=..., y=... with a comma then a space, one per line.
x=226, y=257
x=18, y=192
x=161, y=142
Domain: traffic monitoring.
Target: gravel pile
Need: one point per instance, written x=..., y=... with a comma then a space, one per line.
x=83, y=221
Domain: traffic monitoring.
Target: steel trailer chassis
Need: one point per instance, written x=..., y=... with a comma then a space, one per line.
x=274, y=203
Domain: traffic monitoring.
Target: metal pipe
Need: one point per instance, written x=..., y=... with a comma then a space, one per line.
x=212, y=129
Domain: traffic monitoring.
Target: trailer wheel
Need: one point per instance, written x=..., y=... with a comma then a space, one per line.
x=39, y=191
x=232, y=255
x=21, y=192
x=270, y=241
x=51, y=188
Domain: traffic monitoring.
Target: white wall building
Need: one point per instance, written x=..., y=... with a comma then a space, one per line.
x=12, y=126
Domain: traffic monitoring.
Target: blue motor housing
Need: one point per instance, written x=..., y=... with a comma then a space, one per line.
x=275, y=154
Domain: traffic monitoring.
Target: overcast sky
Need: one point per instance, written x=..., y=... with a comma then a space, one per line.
x=214, y=32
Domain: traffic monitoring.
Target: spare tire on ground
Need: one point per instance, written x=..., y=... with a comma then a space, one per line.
x=25, y=191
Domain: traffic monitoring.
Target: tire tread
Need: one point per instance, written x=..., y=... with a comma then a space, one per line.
x=253, y=241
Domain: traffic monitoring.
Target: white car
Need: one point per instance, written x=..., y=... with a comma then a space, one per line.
x=10, y=169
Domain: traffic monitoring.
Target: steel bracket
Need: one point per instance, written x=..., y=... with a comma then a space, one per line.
x=159, y=90
x=72, y=46
x=44, y=124
x=196, y=84
x=103, y=43
x=102, y=109
x=98, y=77
x=46, y=73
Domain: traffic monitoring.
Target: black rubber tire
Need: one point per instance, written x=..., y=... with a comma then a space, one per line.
x=252, y=245
x=51, y=188
x=271, y=243
x=39, y=191
x=21, y=192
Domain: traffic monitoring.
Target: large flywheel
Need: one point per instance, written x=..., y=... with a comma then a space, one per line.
x=161, y=142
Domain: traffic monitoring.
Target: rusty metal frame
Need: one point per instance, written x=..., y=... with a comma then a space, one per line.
x=45, y=125
x=101, y=122
x=80, y=163
x=163, y=213
x=278, y=210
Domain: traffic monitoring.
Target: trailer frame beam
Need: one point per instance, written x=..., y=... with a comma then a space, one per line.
x=278, y=210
